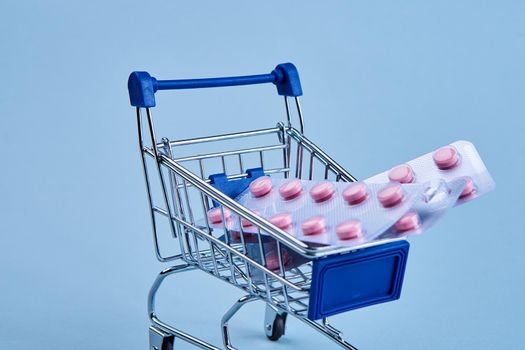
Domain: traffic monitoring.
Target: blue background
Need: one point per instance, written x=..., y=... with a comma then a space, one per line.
x=384, y=81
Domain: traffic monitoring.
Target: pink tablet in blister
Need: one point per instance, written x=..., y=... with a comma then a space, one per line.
x=469, y=188
x=350, y=229
x=314, y=225
x=215, y=215
x=402, y=173
x=446, y=157
x=261, y=186
x=355, y=193
x=247, y=223
x=408, y=222
x=272, y=259
x=390, y=195
x=272, y=262
x=291, y=189
x=281, y=220
x=322, y=191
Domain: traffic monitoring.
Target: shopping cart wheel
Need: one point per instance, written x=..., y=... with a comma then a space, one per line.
x=277, y=328
x=160, y=340
x=275, y=323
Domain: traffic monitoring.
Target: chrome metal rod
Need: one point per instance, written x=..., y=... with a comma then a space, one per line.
x=300, y=114
x=329, y=333
x=224, y=137
x=313, y=148
x=228, y=315
x=156, y=321
x=158, y=254
x=229, y=153
x=159, y=167
x=171, y=177
x=322, y=251
x=183, y=335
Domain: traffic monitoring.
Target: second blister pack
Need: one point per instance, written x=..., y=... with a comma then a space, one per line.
x=458, y=160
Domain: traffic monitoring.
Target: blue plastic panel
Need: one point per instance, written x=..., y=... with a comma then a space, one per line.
x=345, y=282
x=232, y=188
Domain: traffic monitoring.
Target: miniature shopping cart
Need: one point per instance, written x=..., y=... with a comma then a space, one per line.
x=186, y=178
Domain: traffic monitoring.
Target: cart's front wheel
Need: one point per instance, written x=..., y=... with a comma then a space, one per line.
x=277, y=330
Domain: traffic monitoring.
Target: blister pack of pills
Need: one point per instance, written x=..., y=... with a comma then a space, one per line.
x=457, y=160
x=329, y=213
x=407, y=199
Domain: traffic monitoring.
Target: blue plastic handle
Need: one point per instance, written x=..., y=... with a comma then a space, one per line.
x=142, y=86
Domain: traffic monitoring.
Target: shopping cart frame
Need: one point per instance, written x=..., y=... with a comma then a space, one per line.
x=284, y=290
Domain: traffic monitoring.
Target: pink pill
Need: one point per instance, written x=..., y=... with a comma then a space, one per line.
x=322, y=191
x=272, y=260
x=350, y=229
x=247, y=223
x=469, y=188
x=215, y=215
x=281, y=220
x=261, y=186
x=355, y=193
x=235, y=236
x=314, y=225
x=408, y=222
x=446, y=157
x=390, y=195
x=402, y=173
x=291, y=189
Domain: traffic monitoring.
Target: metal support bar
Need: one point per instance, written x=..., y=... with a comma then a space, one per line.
x=336, y=336
x=228, y=315
x=163, y=326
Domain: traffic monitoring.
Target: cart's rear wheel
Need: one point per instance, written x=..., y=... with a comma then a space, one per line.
x=168, y=344
x=278, y=326
x=160, y=340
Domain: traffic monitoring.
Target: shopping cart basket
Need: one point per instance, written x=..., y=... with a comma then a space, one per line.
x=307, y=281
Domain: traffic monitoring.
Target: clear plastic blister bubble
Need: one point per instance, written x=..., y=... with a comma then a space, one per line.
x=436, y=200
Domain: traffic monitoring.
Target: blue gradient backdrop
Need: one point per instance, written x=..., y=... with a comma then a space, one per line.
x=384, y=81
